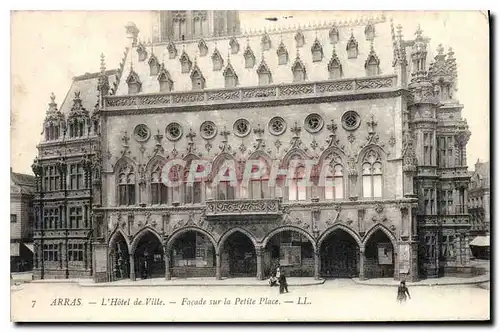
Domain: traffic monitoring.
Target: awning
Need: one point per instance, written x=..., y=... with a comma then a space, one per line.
x=30, y=246
x=480, y=241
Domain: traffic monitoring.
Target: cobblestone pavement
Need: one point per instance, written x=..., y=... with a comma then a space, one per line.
x=335, y=300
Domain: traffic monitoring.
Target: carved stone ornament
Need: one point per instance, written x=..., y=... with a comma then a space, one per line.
x=379, y=208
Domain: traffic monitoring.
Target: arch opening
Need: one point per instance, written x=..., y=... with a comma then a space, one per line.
x=192, y=255
x=339, y=253
x=119, y=258
x=379, y=256
x=238, y=257
x=149, y=260
x=290, y=250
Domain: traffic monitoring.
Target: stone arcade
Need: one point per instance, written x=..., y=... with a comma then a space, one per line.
x=355, y=95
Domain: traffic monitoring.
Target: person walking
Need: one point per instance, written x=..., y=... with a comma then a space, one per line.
x=402, y=292
x=282, y=282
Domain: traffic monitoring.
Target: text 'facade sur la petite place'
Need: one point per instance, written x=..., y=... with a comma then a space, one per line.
x=215, y=152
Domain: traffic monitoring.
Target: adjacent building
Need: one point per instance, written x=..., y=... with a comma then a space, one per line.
x=378, y=109
x=22, y=191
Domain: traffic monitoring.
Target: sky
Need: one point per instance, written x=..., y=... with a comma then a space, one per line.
x=49, y=48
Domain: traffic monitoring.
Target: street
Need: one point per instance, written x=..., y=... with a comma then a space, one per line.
x=336, y=300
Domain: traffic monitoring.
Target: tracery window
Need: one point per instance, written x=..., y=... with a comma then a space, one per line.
x=277, y=125
x=259, y=187
x=297, y=191
x=192, y=188
x=334, y=180
x=159, y=191
x=225, y=191
x=126, y=185
x=372, y=175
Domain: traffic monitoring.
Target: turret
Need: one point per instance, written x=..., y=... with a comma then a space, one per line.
x=54, y=123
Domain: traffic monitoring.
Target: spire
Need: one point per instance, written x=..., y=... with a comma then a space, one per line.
x=52, y=104
x=103, y=81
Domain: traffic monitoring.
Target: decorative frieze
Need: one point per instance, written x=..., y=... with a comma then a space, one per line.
x=242, y=94
x=217, y=208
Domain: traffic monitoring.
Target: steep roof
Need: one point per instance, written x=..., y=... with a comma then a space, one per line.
x=316, y=71
x=481, y=173
x=25, y=182
x=87, y=86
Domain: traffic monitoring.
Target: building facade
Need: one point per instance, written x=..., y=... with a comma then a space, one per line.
x=22, y=190
x=356, y=96
x=479, y=199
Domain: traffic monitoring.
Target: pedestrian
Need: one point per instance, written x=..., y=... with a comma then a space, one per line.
x=145, y=270
x=273, y=281
x=402, y=292
x=283, y=283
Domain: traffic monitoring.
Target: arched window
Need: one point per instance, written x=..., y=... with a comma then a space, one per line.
x=265, y=77
x=154, y=65
x=299, y=71
x=266, y=42
x=126, y=185
x=197, y=79
x=352, y=48
x=317, y=51
x=192, y=187
x=334, y=184
x=334, y=67
x=230, y=77
x=372, y=175
x=299, y=39
x=225, y=191
x=249, y=58
x=297, y=191
x=159, y=191
x=259, y=187
x=166, y=83
x=185, y=63
x=372, y=66
x=217, y=61
x=334, y=35
x=282, y=55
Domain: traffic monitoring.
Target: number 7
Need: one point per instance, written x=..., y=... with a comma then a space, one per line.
x=34, y=302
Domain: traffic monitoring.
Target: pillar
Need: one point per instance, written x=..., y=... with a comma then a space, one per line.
x=217, y=266
x=166, y=253
x=362, y=263
x=132, y=267
x=258, y=252
x=316, y=264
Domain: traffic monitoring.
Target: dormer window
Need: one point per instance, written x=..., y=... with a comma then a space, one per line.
x=230, y=77
x=141, y=51
x=154, y=66
x=217, y=61
x=317, y=51
x=334, y=35
x=352, y=48
x=265, y=77
x=299, y=39
x=282, y=54
x=266, y=42
x=372, y=64
x=134, y=83
x=197, y=79
x=166, y=83
x=299, y=71
x=235, y=46
x=334, y=69
x=185, y=63
x=203, y=48
x=249, y=58
x=172, y=50
x=370, y=32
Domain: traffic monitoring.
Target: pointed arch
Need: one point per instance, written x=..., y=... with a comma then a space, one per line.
x=175, y=235
x=134, y=82
x=341, y=227
x=124, y=160
x=114, y=236
x=261, y=154
x=352, y=47
x=299, y=39
x=202, y=48
x=383, y=228
x=264, y=73
x=137, y=237
x=265, y=42
x=249, y=57
x=219, y=161
x=333, y=35
x=366, y=149
x=329, y=151
x=370, y=31
x=317, y=51
x=185, y=63
x=172, y=50
x=153, y=162
x=298, y=70
x=164, y=79
x=371, y=167
x=372, y=63
x=230, y=77
x=233, y=230
x=197, y=78
x=217, y=60
x=234, y=45
x=335, y=66
x=292, y=153
x=154, y=65
x=289, y=228
x=282, y=54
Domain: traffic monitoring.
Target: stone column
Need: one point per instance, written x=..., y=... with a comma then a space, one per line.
x=217, y=266
x=362, y=263
x=258, y=252
x=316, y=264
x=166, y=255
x=132, y=267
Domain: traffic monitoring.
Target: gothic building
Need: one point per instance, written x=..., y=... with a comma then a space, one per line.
x=378, y=109
x=479, y=199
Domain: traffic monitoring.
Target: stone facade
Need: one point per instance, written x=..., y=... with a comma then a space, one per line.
x=22, y=189
x=479, y=199
x=369, y=104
